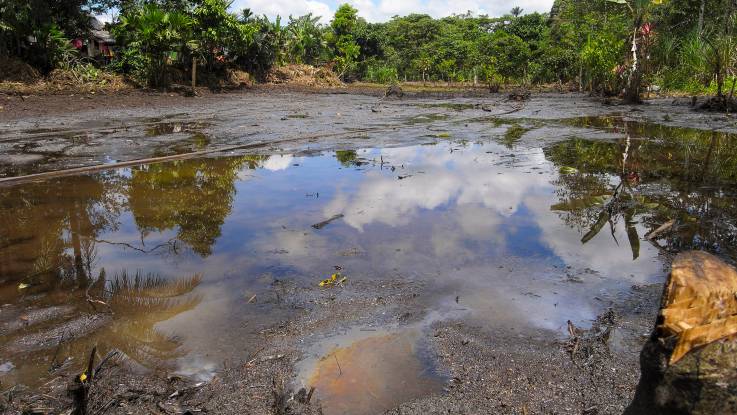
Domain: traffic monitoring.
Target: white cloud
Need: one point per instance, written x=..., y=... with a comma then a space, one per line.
x=383, y=10
x=278, y=162
x=384, y=199
x=284, y=8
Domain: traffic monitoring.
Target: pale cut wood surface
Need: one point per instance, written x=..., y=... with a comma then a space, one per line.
x=699, y=303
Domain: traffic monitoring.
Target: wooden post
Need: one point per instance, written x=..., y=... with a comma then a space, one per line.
x=194, y=75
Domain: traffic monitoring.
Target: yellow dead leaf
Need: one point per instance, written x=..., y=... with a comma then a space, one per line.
x=333, y=280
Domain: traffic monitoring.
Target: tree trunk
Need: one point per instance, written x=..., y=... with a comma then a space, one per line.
x=701, y=17
x=580, y=77
x=194, y=74
x=719, y=74
x=688, y=365
x=634, y=81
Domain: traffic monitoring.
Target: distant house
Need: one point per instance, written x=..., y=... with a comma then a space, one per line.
x=99, y=43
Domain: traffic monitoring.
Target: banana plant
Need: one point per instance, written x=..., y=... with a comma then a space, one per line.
x=305, y=38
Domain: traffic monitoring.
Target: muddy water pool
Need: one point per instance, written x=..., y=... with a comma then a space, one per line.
x=179, y=265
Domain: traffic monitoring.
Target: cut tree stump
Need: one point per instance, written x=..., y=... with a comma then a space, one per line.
x=689, y=364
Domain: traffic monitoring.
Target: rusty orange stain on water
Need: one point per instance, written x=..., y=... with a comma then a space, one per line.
x=373, y=375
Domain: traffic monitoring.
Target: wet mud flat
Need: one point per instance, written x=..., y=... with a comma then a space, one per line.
x=350, y=255
x=52, y=133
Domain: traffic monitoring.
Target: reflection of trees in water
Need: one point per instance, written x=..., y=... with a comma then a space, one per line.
x=347, y=158
x=682, y=174
x=513, y=134
x=50, y=231
x=138, y=303
x=47, y=229
x=194, y=196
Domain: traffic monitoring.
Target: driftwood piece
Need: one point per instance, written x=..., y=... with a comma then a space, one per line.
x=688, y=366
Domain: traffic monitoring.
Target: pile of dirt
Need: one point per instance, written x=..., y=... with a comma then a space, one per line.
x=15, y=70
x=303, y=75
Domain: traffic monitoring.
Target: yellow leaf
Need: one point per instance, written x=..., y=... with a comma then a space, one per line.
x=83, y=377
x=22, y=286
x=329, y=282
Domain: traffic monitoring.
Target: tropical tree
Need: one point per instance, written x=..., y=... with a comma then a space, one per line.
x=344, y=44
x=215, y=31
x=512, y=55
x=600, y=56
x=153, y=37
x=38, y=31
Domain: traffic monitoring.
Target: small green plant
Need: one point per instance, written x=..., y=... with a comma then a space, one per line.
x=382, y=74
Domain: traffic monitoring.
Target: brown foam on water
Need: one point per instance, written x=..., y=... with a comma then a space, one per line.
x=372, y=375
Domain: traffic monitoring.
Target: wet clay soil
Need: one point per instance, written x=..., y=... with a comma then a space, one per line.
x=464, y=235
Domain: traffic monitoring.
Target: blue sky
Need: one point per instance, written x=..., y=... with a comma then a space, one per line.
x=382, y=10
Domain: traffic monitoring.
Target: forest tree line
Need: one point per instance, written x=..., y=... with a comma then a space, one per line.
x=602, y=46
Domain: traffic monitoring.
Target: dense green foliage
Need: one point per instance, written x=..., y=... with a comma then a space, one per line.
x=603, y=46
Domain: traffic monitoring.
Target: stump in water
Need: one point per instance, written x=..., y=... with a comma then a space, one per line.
x=689, y=364
x=395, y=91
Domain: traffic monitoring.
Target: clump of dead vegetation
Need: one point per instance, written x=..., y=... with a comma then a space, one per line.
x=588, y=346
x=16, y=71
x=303, y=75
x=17, y=77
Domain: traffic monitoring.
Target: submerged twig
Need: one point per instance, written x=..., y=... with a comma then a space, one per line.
x=107, y=357
x=324, y=223
x=171, y=242
x=340, y=371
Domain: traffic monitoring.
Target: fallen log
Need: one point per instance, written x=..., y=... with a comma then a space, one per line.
x=688, y=366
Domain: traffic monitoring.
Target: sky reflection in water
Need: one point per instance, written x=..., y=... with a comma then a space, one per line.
x=472, y=220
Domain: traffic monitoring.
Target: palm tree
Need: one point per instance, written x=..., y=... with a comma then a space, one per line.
x=516, y=11
x=246, y=15
x=155, y=33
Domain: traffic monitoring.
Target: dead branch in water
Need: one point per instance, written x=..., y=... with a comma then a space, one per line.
x=324, y=223
x=660, y=229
